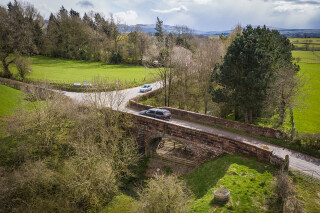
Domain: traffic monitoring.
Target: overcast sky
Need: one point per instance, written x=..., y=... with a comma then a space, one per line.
x=197, y=14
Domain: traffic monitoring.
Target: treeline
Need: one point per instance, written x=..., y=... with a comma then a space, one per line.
x=92, y=37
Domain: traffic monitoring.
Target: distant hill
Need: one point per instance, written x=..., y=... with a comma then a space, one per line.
x=150, y=28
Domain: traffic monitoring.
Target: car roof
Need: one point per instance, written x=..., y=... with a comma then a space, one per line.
x=162, y=110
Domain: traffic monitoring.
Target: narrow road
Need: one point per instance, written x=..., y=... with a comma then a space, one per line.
x=118, y=101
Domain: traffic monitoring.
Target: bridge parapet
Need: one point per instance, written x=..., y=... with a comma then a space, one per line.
x=197, y=138
x=193, y=116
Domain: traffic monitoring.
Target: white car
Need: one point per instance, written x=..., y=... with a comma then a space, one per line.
x=146, y=88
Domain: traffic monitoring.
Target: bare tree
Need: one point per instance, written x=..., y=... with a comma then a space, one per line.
x=182, y=75
x=110, y=95
x=208, y=54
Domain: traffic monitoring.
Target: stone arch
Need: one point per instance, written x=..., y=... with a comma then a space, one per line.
x=152, y=144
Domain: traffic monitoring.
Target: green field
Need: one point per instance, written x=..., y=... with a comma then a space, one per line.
x=71, y=71
x=307, y=115
x=306, y=43
x=9, y=100
x=305, y=40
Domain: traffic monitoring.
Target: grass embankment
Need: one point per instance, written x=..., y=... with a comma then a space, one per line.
x=9, y=100
x=251, y=184
x=63, y=71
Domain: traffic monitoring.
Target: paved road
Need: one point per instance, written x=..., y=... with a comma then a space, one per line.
x=118, y=100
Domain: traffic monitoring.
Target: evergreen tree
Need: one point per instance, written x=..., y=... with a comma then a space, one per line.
x=246, y=77
x=159, y=28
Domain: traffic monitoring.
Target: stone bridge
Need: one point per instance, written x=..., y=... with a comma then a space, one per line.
x=204, y=145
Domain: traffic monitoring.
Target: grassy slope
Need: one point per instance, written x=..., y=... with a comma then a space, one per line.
x=308, y=117
x=70, y=71
x=249, y=182
x=251, y=185
x=9, y=100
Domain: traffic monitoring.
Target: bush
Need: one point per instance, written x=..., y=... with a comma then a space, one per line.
x=164, y=194
x=64, y=157
x=23, y=66
x=286, y=194
x=308, y=140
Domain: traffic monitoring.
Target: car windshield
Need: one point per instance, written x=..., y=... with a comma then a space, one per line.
x=145, y=86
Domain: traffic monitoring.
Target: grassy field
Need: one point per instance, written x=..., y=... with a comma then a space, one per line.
x=306, y=43
x=307, y=116
x=9, y=100
x=71, y=71
x=305, y=40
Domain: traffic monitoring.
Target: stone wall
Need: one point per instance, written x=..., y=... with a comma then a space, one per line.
x=146, y=124
x=202, y=118
x=40, y=91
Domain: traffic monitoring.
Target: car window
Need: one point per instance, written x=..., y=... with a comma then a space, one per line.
x=159, y=113
x=151, y=111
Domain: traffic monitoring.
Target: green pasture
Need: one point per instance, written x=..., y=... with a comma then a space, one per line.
x=9, y=100
x=70, y=71
x=307, y=115
x=305, y=40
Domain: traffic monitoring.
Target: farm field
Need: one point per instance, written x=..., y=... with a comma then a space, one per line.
x=306, y=43
x=305, y=40
x=71, y=71
x=307, y=117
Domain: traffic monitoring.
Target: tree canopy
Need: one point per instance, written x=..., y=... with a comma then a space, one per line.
x=246, y=77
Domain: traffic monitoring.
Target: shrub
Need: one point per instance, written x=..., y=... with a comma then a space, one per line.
x=64, y=157
x=286, y=194
x=23, y=66
x=164, y=194
x=308, y=140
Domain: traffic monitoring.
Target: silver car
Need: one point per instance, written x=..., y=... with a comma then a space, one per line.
x=146, y=88
x=157, y=113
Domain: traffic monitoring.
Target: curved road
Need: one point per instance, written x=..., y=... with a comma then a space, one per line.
x=118, y=100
